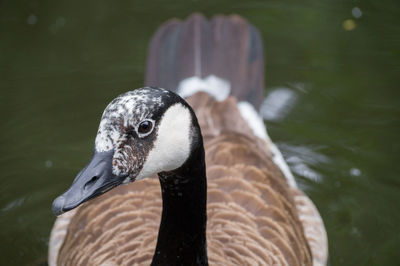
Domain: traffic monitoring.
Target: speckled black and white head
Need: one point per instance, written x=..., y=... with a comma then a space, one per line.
x=141, y=133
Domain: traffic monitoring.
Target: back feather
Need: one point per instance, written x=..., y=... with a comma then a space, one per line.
x=254, y=216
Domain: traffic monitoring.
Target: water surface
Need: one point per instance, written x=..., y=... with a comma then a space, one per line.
x=61, y=63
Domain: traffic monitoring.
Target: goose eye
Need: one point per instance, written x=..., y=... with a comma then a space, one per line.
x=145, y=127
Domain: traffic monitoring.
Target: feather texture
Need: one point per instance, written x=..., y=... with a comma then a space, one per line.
x=227, y=47
x=253, y=216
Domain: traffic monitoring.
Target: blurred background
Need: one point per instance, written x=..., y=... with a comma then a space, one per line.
x=332, y=106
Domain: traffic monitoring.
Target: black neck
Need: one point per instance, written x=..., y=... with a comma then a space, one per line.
x=182, y=233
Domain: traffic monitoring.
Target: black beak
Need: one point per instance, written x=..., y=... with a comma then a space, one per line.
x=95, y=179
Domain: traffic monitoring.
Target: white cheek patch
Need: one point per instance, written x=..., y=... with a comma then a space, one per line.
x=172, y=145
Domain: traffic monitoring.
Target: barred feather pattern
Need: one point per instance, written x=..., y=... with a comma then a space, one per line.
x=254, y=217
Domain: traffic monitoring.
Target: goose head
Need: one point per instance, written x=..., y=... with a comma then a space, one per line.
x=141, y=133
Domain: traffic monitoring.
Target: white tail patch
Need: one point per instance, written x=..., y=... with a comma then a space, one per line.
x=216, y=87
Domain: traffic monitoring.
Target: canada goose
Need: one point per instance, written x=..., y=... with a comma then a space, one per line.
x=244, y=209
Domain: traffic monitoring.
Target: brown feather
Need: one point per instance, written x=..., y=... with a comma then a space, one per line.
x=253, y=216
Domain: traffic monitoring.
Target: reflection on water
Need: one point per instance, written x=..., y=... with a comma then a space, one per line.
x=356, y=12
x=302, y=160
x=277, y=104
x=355, y=172
x=14, y=204
x=332, y=106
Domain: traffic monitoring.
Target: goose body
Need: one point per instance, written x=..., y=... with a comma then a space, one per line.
x=223, y=194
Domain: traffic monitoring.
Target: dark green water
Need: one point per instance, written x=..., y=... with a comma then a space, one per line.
x=61, y=63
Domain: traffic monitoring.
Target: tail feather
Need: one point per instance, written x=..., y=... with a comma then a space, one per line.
x=227, y=47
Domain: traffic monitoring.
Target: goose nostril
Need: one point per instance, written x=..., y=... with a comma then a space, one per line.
x=91, y=182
